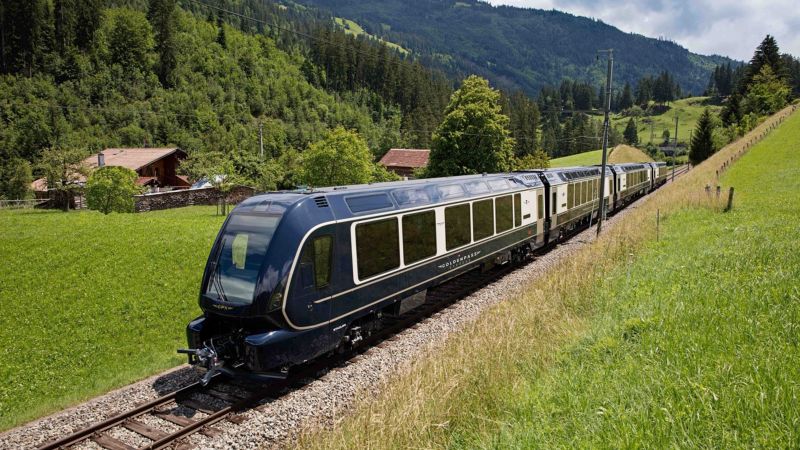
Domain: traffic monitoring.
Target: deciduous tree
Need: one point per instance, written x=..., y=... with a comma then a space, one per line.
x=111, y=189
x=767, y=93
x=63, y=171
x=474, y=136
x=341, y=158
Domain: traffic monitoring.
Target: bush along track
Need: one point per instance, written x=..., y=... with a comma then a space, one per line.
x=685, y=338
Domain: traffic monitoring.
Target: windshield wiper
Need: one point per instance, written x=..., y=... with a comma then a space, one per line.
x=215, y=278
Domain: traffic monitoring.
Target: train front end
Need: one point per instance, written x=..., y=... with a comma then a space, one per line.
x=242, y=290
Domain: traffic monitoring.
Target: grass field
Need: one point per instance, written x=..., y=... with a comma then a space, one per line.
x=619, y=154
x=353, y=28
x=91, y=302
x=688, y=110
x=691, y=340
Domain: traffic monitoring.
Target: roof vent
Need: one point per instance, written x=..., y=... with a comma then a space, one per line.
x=321, y=202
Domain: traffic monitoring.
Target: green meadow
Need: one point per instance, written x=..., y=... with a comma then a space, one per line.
x=694, y=343
x=688, y=111
x=91, y=302
x=684, y=336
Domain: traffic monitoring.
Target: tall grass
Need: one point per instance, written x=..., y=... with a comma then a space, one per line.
x=489, y=385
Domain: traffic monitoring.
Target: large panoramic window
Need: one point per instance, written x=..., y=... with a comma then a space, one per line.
x=456, y=226
x=517, y=210
x=503, y=213
x=377, y=249
x=419, y=236
x=482, y=219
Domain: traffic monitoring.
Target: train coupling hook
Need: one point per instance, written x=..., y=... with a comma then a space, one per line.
x=206, y=357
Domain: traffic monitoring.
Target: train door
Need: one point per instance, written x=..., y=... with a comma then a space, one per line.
x=315, y=279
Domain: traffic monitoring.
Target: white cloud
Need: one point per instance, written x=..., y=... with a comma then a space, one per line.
x=726, y=27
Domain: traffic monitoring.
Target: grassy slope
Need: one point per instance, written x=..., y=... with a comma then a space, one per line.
x=696, y=342
x=353, y=28
x=619, y=154
x=689, y=341
x=91, y=302
x=626, y=153
x=688, y=110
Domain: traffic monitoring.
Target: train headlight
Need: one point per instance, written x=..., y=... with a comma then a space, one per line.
x=276, y=301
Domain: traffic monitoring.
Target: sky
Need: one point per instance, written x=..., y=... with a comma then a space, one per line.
x=731, y=28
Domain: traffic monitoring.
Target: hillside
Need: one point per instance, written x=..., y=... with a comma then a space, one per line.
x=619, y=154
x=626, y=154
x=688, y=111
x=519, y=48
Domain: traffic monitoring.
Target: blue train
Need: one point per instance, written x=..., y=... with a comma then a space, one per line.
x=295, y=275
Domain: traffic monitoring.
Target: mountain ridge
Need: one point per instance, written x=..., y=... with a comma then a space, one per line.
x=520, y=48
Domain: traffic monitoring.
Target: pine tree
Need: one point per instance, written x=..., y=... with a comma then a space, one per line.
x=731, y=113
x=631, y=134
x=221, y=39
x=474, y=136
x=768, y=53
x=702, y=145
x=163, y=17
x=524, y=123
x=66, y=21
x=89, y=17
x=626, y=100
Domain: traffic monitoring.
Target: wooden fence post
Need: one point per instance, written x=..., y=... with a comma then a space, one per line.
x=730, y=200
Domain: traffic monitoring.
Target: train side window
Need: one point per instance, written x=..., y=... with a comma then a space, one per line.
x=540, y=206
x=315, y=262
x=377, y=248
x=517, y=210
x=570, y=196
x=482, y=219
x=585, y=191
x=456, y=226
x=419, y=236
x=503, y=214
x=555, y=199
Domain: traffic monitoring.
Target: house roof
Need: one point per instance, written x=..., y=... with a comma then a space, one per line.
x=132, y=158
x=406, y=157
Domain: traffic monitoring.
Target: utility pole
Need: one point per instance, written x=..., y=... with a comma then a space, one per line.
x=675, y=148
x=602, y=213
x=261, y=139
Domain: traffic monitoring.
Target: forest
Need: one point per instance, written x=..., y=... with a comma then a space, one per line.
x=210, y=76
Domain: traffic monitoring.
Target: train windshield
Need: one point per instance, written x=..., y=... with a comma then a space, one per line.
x=239, y=256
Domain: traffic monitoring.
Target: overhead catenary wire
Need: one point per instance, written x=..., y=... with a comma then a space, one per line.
x=255, y=122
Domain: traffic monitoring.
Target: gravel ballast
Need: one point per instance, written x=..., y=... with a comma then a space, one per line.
x=320, y=403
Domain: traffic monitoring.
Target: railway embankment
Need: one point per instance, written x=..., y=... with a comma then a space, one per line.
x=678, y=327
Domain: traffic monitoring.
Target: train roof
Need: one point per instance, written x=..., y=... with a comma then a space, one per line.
x=562, y=175
x=362, y=199
x=365, y=199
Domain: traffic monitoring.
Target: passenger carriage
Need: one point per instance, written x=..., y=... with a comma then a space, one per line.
x=295, y=275
x=300, y=273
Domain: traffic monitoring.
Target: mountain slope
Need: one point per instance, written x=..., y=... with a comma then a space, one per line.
x=519, y=48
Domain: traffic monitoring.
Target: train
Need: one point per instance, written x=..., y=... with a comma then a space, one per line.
x=295, y=275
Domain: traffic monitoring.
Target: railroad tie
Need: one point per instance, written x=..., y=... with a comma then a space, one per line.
x=110, y=443
x=145, y=430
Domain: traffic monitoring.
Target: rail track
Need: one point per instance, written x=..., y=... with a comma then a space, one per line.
x=223, y=400
x=196, y=408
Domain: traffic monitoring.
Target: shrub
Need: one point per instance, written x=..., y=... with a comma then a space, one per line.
x=111, y=189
